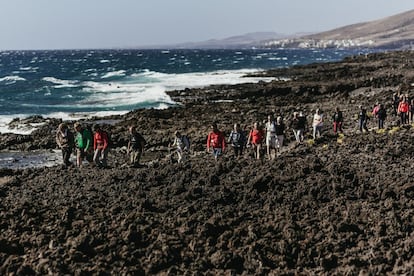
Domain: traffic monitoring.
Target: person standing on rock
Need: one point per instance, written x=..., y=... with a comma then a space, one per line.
x=294, y=125
x=237, y=139
x=362, y=119
x=65, y=141
x=83, y=142
x=182, y=143
x=216, y=141
x=338, y=120
x=100, y=146
x=271, y=137
x=381, y=115
x=395, y=103
x=403, y=109
x=255, y=139
x=317, y=124
x=280, y=133
x=303, y=125
x=136, y=146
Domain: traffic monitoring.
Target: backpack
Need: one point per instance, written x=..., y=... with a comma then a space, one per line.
x=108, y=135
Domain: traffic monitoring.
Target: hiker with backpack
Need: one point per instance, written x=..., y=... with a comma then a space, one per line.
x=381, y=115
x=216, y=141
x=237, y=139
x=65, y=141
x=136, y=146
x=100, y=146
x=83, y=142
x=182, y=144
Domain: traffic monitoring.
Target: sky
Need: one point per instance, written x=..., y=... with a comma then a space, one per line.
x=78, y=24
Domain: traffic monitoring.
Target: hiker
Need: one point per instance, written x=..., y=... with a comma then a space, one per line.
x=295, y=126
x=362, y=119
x=412, y=111
x=136, y=144
x=183, y=145
x=317, y=124
x=255, y=139
x=271, y=137
x=83, y=142
x=302, y=125
x=395, y=103
x=403, y=109
x=237, y=139
x=280, y=133
x=381, y=115
x=100, y=146
x=337, y=120
x=216, y=141
x=65, y=141
x=375, y=110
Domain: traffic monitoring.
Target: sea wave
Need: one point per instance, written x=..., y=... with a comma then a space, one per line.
x=119, y=73
x=61, y=83
x=11, y=79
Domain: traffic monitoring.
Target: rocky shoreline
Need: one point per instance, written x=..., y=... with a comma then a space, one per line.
x=333, y=206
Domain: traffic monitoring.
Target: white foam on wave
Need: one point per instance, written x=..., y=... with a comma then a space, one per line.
x=11, y=79
x=17, y=128
x=61, y=83
x=196, y=80
x=119, y=73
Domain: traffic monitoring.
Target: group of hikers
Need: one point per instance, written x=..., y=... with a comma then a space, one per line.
x=93, y=144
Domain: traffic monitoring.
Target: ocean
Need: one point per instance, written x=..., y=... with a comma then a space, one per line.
x=70, y=84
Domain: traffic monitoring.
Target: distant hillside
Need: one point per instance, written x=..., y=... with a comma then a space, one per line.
x=241, y=41
x=394, y=32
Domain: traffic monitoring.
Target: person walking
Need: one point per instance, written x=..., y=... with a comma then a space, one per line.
x=216, y=141
x=83, y=142
x=295, y=126
x=237, y=139
x=337, y=121
x=280, y=133
x=271, y=137
x=403, y=109
x=381, y=115
x=317, y=124
x=182, y=144
x=362, y=119
x=255, y=139
x=65, y=141
x=136, y=144
x=100, y=146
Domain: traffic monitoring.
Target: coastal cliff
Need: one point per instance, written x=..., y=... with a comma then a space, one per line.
x=336, y=205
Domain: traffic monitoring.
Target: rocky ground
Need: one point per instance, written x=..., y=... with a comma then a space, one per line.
x=338, y=205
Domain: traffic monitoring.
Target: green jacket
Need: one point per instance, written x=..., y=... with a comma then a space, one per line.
x=83, y=139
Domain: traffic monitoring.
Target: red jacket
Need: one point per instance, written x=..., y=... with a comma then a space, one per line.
x=100, y=140
x=256, y=136
x=216, y=140
x=403, y=107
